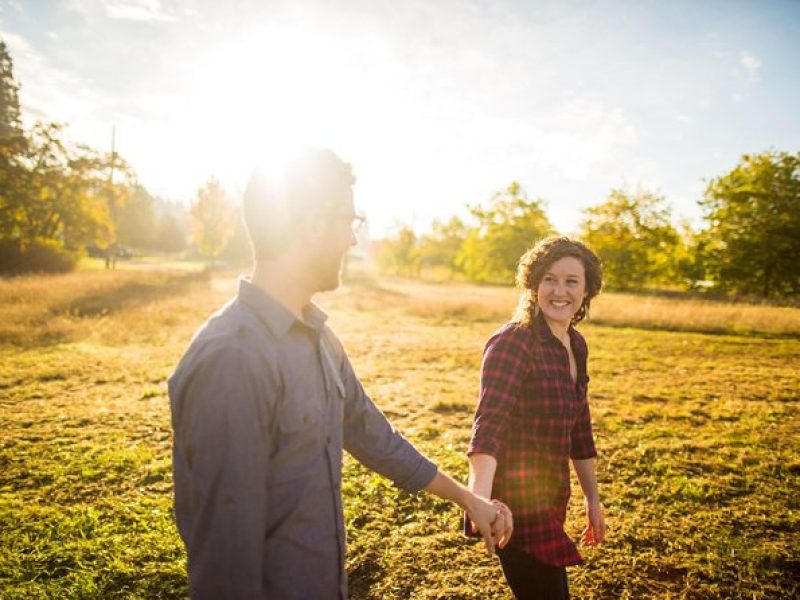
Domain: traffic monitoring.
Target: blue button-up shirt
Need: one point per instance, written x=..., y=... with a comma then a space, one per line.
x=262, y=405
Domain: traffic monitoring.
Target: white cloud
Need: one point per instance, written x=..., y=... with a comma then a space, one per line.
x=751, y=64
x=137, y=10
x=588, y=135
x=48, y=93
x=126, y=10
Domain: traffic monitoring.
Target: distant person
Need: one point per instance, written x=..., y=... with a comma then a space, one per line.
x=265, y=399
x=533, y=418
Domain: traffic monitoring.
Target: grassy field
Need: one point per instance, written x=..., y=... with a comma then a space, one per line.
x=695, y=409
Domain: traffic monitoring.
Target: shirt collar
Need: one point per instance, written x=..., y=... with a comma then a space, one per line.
x=545, y=334
x=275, y=315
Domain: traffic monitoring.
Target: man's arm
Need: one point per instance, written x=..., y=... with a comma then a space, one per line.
x=372, y=440
x=494, y=523
x=221, y=455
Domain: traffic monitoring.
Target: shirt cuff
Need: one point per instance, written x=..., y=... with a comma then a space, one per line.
x=424, y=473
x=482, y=448
x=583, y=455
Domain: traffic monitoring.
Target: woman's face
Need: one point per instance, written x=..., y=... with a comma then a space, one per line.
x=562, y=290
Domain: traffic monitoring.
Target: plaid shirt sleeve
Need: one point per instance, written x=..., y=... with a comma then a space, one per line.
x=506, y=360
x=581, y=437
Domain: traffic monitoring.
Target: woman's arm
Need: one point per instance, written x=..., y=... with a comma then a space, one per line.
x=481, y=478
x=595, y=531
x=481, y=474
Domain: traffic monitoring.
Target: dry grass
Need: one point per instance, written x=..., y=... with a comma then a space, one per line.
x=676, y=313
x=681, y=314
x=36, y=309
x=698, y=438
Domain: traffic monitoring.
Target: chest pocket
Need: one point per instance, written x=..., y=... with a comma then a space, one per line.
x=295, y=417
x=298, y=440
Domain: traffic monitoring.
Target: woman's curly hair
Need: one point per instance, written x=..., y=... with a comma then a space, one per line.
x=534, y=264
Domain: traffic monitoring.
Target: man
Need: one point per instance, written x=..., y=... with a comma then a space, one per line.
x=265, y=399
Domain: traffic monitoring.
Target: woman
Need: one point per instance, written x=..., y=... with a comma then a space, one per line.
x=533, y=417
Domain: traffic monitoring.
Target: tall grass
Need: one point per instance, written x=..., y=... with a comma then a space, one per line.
x=674, y=313
x=692, y=314
x=45, y=309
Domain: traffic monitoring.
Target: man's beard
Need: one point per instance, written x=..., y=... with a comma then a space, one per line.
x=328, y=270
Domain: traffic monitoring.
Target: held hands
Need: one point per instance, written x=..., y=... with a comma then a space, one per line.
x=493, y=520
x=595, y=531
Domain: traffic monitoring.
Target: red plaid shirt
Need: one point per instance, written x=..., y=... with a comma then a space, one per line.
x=532, y=418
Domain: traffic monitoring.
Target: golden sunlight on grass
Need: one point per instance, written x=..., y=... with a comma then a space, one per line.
x=461, y=300
x=697, y=435
x=682, y=314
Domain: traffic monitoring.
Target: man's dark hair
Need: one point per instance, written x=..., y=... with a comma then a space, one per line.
x=311, y=184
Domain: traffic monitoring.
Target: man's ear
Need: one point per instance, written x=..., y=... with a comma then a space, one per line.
x=310, y=230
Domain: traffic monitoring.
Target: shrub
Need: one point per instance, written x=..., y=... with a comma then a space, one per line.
x=38, y=256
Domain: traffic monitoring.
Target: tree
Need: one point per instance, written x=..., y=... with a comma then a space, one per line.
x=10, y=123
x=169, y=236
x=51, y=191
x=400, y=253
x=55, y=198
x=213, y=219
x=632, y=234
x=440, y=247
x=752, y=241
x=136, y=219
x=12, y=142
x=506, y=227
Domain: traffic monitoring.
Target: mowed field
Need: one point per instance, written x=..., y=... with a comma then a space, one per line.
x=695, y=407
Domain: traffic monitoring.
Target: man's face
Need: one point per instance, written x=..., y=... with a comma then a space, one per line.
x=335, y=240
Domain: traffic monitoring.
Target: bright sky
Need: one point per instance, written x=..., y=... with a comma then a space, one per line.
x=436, y=104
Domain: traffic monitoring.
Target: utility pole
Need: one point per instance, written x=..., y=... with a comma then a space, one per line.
x=111, y=251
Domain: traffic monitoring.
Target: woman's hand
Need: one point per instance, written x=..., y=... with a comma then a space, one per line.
x=504, y=526
x=501, y=525
x=595, y=531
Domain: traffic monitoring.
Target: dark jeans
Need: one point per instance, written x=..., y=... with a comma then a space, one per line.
x=531, y=580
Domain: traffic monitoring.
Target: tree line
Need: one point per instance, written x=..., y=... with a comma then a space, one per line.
x=749, y=242
x=59, y=200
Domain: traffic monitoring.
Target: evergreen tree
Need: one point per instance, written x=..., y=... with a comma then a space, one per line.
x=9, y=96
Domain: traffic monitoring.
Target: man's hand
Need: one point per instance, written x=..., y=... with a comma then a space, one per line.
x=493, y=520
x=485, y=517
